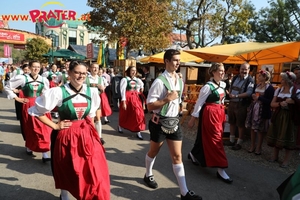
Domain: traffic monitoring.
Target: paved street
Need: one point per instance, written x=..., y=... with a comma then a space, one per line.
x=27, y=178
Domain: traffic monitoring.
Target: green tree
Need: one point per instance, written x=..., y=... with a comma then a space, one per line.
x=35, y=49
x=142, y=23
x=274, y=23
x=207, y=21
x=17, y=54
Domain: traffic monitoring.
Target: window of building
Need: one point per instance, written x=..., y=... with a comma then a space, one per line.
x=54, y=37
x=72, y=37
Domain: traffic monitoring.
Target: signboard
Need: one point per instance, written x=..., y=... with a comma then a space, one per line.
x=11, y=36
x=89, y=51
x=19, y=46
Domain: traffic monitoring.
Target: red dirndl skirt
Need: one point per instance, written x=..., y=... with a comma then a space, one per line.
x=133, y=118
x=37, y=134
x=79, y=162
x=105, y=107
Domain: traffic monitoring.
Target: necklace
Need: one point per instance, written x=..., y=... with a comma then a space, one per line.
x=74, y=89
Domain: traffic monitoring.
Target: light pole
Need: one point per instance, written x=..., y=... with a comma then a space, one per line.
x=52, y=35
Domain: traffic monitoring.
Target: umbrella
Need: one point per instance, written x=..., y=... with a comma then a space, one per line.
x=159, y=58
x=253, y=52
x=65, y=53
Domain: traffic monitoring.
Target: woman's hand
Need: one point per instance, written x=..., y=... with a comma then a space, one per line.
x=101, y=88
x=63, y=124
x=191, y=123
x=22, y=100
x=124, y=105
x=290, y=101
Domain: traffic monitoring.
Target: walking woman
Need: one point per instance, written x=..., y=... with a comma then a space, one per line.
x=78, y=161
x=36, y=134
x=282, y=131
x=208, y=148
x=260, y=111
x=131, y=114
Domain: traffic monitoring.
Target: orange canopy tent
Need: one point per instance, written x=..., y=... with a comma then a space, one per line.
x=253, y=52
x=159, y=58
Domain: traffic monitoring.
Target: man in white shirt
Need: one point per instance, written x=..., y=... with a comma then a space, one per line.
x=163, y=99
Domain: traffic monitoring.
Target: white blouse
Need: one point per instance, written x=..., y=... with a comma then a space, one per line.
x=54, y=97
x=204, y=93
x=20, y=80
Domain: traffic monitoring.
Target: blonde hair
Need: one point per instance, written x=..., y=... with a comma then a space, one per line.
x=288, y=77
x=214, y=67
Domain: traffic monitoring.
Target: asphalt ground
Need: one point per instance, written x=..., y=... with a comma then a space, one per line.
x=23, y=177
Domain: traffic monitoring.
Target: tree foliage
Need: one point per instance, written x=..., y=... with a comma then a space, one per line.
x=142, y=23
x=205, y=21
x=35, y=49
x=275, y=23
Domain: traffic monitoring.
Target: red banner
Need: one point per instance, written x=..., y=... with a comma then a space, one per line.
x=11, y=36
x=19, y=46
x=6, y=50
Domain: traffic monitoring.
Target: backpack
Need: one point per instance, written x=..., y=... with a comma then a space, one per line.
x=115, y=87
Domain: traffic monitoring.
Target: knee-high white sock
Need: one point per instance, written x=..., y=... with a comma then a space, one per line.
x=149, y=165
x=45, y=155
x=105, y=118
x=98, y=127
x=178, y=170
x=239, y=141
x=223, y=173
x=232, y=138
x=64, y=194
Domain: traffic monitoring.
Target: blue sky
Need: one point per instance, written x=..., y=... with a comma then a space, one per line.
x=23, y=7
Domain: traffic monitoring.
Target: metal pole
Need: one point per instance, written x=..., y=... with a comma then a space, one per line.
x=52, y=59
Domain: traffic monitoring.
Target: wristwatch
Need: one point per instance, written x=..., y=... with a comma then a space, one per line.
x=236, y=96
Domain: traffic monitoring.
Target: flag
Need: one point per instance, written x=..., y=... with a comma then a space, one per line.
x=101, y=56
x=7, y=51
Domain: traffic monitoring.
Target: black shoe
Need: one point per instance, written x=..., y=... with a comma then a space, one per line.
x=150, y=181
x=120, y=130
x=46, y=160
x=102, y=141
x=106, y=122
x=191, y=196
x=228, y=143
x=139, y=136
x=193, y=161
x=29, y=153
x=228, y=180
x=236, y=147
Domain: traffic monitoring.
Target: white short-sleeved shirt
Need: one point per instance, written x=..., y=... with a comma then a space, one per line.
x=95, y=80
x=56, y=76
x=20, y=80
x=158, y=91
x=54, y=97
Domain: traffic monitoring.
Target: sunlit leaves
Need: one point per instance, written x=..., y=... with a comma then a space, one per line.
x=143, y=23
x=35, y=49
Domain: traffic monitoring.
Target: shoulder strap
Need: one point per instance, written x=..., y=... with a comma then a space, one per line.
x=87, y=80
x=167, y=85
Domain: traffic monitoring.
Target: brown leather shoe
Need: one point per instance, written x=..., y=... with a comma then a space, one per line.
x=236, y=147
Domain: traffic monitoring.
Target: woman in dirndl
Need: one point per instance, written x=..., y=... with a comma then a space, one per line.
x=208, y=148
x=131, y=114
x=260, y=111
x=78, y=158
x=35, y=133
x=282, y=131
